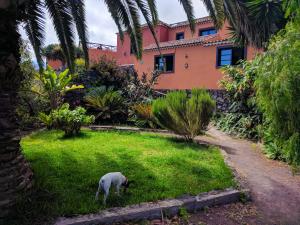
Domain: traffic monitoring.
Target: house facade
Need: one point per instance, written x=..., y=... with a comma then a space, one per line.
x=189, y=60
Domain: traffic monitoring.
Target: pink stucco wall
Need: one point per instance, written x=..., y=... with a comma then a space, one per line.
x=195, y=66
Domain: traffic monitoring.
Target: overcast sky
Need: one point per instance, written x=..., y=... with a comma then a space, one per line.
x=102, y=29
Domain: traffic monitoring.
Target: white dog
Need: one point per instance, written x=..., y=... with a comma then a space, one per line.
x=116, y=179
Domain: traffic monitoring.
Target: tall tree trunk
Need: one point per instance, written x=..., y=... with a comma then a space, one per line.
x=15, y=174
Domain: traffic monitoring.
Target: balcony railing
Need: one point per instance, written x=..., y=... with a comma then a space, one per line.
x=102, y=46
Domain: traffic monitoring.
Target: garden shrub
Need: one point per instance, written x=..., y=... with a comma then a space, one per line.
x=70, y=121
x=185, y=116
x=124, y=80
x=278, y=88
x=243, y=118
x=105, y=72
x=47, y=120
x=239, y=124
x=106, y=104
x=142, y=116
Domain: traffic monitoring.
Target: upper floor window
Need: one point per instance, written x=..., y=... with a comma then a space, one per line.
x=164, y=63
x=229, y=56
x=180, y=36
x=207, y=31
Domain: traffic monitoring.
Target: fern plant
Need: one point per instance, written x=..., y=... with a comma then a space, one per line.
x=106, y=103
x=184, y=116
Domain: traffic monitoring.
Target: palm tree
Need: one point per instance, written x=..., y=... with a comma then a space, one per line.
x=15, y=173
x=251, y=21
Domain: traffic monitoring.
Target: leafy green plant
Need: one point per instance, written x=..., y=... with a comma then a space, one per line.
x=185, y=116
x=183, y=214
x=106, y=72
x=47, y=120
x=142, y=115
x=243, y=117
x=55, y=85
x=278, y=88
x=238, y=124
x=107, y=104
x=70, y=121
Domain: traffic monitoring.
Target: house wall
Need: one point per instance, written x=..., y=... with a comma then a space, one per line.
x=123, y=49
x=194, y=67
x=94, y=55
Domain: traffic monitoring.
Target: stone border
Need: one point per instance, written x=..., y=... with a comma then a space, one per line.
x=157, y=210
x=120, y=128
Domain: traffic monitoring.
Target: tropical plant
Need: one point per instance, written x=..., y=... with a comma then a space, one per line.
x=106, y=72
x=64, y=14
x=47, y=120
x=291, y=7
x=55, y=85
x=106, y=104
x=142, y=116
x=251, y=22
x=70, y=121
x=278, y=88
x=242, y=125
x=185, y=116
x=243, y=118
x=141, y=89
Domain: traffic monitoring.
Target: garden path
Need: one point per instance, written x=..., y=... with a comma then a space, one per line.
x=275, y=191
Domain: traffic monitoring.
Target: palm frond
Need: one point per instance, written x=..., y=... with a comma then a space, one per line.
x=220, y=13
x=125, y=14
x=78, y=13
x=63, y=25
x=34, y=28
x=147, y=13
x=136, y=34
x=188, y=8
x=68, y=25
x=116, y=17
x=153, y=10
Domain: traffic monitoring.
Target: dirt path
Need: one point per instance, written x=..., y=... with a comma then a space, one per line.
x=275, y=191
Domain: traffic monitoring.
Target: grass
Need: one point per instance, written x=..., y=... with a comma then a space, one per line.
x=67, y=171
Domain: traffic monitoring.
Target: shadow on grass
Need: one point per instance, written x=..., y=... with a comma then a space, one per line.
x=70, y=189
x=80, y=135
x=179, y=141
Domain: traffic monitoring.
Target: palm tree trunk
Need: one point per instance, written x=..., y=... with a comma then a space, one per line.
x=15, y=174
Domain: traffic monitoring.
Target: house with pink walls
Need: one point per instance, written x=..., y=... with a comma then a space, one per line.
x=189, y=60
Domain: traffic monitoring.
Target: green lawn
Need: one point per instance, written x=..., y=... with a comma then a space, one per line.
x=67, y=171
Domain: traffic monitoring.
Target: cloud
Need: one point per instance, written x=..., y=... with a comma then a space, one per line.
x=102, y=29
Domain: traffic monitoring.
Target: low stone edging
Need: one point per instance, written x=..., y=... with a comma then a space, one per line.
x=155, y=210
x=131, y=129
